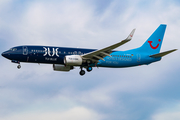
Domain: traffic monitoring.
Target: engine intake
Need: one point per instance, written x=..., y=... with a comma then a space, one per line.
x=73, y=60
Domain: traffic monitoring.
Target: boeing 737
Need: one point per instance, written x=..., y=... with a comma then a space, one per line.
x=66, y=59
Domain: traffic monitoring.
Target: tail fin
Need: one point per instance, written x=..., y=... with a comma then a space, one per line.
x=154, y=42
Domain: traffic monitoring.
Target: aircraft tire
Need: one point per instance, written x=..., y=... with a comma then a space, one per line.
x=19, y=66
x=82, y=72
x=89, y=69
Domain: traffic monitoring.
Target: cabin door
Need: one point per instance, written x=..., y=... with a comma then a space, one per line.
x=25, y=50
x=138, y=57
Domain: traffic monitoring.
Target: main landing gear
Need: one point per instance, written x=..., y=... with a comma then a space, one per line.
x=82, y=72
x=89, y=68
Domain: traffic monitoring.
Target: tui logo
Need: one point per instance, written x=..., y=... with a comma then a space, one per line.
x=150, y=43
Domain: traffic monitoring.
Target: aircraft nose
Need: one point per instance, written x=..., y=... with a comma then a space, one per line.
x=5, y=54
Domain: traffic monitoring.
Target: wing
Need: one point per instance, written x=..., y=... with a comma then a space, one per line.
x=100, y=54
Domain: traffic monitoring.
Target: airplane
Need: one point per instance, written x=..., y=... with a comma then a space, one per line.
x=66, y=59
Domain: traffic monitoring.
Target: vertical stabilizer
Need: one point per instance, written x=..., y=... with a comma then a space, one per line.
x=154, y=42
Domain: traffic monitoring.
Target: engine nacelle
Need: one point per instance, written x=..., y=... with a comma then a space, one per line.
x=73, y=60
x=58, y=67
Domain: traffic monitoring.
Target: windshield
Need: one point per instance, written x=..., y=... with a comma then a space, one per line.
x=13, y=49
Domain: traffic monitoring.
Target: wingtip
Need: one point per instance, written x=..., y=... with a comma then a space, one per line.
x=131, y=34
x=175, y=49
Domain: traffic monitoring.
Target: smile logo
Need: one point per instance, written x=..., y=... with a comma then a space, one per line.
x=150, y=43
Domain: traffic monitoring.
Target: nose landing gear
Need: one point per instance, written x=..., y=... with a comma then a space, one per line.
x=15, y=61
x=19, y=66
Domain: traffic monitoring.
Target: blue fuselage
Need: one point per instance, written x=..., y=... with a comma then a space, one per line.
x=55, y=55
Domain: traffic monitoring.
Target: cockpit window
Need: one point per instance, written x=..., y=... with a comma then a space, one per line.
x=13, y=49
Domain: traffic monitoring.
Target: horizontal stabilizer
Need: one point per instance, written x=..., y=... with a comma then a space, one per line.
x=162, y=54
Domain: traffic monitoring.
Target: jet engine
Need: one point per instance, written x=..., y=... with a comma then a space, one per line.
x=73, y=60
x=58, y=67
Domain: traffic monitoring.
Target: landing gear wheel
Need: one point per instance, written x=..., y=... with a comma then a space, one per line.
x=89, y=68
x=82, y=72
x=19, y=66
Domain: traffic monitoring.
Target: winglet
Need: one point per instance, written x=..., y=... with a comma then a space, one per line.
x=131, y=35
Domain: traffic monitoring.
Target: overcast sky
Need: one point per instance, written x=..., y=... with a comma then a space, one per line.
x=36, y=92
